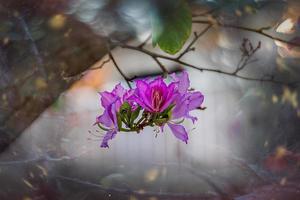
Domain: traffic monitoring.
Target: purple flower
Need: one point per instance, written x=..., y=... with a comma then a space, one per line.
x=154, y=96
x=111, y=102
x=185, y=102
x=160, y=104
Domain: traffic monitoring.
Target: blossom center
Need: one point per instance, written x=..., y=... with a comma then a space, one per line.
x=157, y=99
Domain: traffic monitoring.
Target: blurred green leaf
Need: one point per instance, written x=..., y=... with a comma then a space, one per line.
x=125, y=112
x=119, y=121
x=135, y=114
x=170, y=31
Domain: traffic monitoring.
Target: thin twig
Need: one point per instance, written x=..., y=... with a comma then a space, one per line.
x=79, y=76
x=153, y=54
x=142, y=45
x=259, y=31
x=100, y=66
x=247, y=53
x=196, y=37
x=162, y=67
x=119, y=70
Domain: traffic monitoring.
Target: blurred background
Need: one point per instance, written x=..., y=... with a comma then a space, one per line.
x=245, y=144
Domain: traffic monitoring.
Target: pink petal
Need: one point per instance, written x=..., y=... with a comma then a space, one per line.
x=184, y=83
x=179, y=132
x=108, y=136
x=170, y=96
x=107, y=98
x=119, y=90
x=195, y=100
x=105, y=119
x=142, y=90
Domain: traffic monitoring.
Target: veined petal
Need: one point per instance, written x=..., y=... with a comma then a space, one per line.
x=179, y=132
x=128, y=94
x=119, y=90
x=105, y=119
x=108, y=136
x=142, y=91
x=112, y=111
x=107, y=98
x=195, y=100
x=159, y=81
x=180, y=110
x=170, y=96
x=183, y=81
x=135, y=100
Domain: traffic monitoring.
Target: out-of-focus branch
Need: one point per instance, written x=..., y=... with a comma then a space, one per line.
x=260, y=31
x=269, y=79
x=248, y=52
x=119, y=70
x=142, y=45
x=79, y=76
x=162, y=67
x=196, y=37
x=138, y=194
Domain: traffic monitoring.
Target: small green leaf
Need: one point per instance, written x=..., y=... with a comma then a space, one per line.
x=125, y=107
x=170, y=31
x=125, y=113
x=160, y=122
x=135, y=114
x=168, y=110
x=119, y=121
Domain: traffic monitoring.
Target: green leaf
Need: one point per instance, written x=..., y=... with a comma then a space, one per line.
x=125, y=108
x=135, y=114
x=167, y=111
x=119, y=121
x=125, y=112
x=160, y=122
x=170, y=31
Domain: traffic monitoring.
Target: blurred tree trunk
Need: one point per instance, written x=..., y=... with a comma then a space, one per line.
x=38, y=46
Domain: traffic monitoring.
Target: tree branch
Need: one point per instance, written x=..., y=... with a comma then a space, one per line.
x=79, y=76
x=119, y=70
x=259, y=31
x=142, y=45
x=196, y=37
x=233, y=74
x=247, y=53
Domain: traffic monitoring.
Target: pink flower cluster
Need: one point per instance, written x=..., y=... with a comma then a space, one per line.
x=151, y=103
